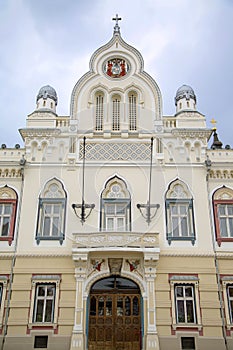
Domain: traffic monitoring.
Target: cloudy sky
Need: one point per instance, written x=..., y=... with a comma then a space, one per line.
x=51, y=41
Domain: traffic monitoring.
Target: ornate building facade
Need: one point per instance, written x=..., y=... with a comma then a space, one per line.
x=116, y=222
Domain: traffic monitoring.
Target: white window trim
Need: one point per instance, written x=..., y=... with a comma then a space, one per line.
x=3, y=281
x=191, y=280
x=46, y=279
x=226, y=280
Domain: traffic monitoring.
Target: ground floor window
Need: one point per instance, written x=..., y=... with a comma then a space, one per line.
x=44, y=300
x=185, y=301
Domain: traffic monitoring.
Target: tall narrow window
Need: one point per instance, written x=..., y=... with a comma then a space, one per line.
x=223, y=214
x=99, y=112
x=185, y=301
x=132, y=112
x=179, y=213
x=3, y=288
x=44, y=300
x=115, y=207
x=44, y=303
x=116, y=113
x=8, y=202
x=51, y=216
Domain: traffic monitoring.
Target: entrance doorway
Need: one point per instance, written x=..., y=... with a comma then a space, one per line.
x=115, y=315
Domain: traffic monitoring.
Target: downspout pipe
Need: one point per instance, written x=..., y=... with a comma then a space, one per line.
x=7, y=310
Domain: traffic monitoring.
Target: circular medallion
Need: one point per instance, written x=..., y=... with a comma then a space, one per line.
x=116, y=67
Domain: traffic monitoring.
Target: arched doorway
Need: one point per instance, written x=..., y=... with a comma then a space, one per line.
x=115, y=315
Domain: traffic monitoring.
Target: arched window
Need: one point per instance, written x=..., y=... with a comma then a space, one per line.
x=8, y=203
x=99, y=111
x=115, y=206
x=132, y=100
x=116, y=112
x=51, y=212
x=179, y=213
x=223, y=214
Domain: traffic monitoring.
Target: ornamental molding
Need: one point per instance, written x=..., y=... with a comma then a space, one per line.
x=10, y=172
x=116, y=151
x=116, y=239
x=192, y=133
x=38, y=133
x=221, y=174
x=188, y=255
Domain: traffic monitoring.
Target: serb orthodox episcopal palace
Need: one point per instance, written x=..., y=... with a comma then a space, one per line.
x=116, y=221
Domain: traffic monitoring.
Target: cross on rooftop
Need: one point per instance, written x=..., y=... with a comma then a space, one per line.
x=116, y=27
x=213, y=122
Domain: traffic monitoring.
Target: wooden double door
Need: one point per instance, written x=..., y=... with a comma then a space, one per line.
x=115, y=315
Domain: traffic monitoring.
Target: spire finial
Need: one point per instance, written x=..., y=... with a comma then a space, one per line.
x=116, y=27
x=214, y=122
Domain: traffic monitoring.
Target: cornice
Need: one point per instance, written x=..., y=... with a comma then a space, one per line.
x=39, y=132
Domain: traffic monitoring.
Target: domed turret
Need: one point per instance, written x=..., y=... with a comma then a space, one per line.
x=47, y=98
x=185, y=98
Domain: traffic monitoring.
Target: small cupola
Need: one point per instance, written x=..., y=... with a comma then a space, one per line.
x=47, y=98
x=185, y=99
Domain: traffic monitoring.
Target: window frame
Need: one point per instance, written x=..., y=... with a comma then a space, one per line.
x=190, y=220
x=40, y=220
x=104, y=215
x=11, y=228
x=227, y=281
x=219, y=237
x=3, y=283
x=185, y=281
x=48, y=280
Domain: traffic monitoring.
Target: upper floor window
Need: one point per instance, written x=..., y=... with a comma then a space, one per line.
x=116, y=104
x=99, y=111
x=132, y=99
x=51, y=214
x=179, y=213
x=8, y=203
x=115, y=206
x=223, y=214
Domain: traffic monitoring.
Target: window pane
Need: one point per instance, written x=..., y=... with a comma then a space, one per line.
x=190, y=311
x=119, y=306
x=55, y=229
x=49, y=311
x=230, y=210
x=174, y=209
x=223, y=227
x=175, y=227
x=110, y=224
x=231, y=226
x=184, y=226
x=110, y=209
x=230, y=291
x=120, y=223
x=135, y=306
x=120, y=209
x=5, y=226
x=188, y=291
x=56, y=208
x=179, y=291
x=221, y=210
x=127, y=306
x=47, y=208
x=39, y=311
x=46, y=229
x=50, y=291
x=101, y=306
x=41, y=291
x=183, y=209
x=109, y=306
x=180, y=311
x=8, y=209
